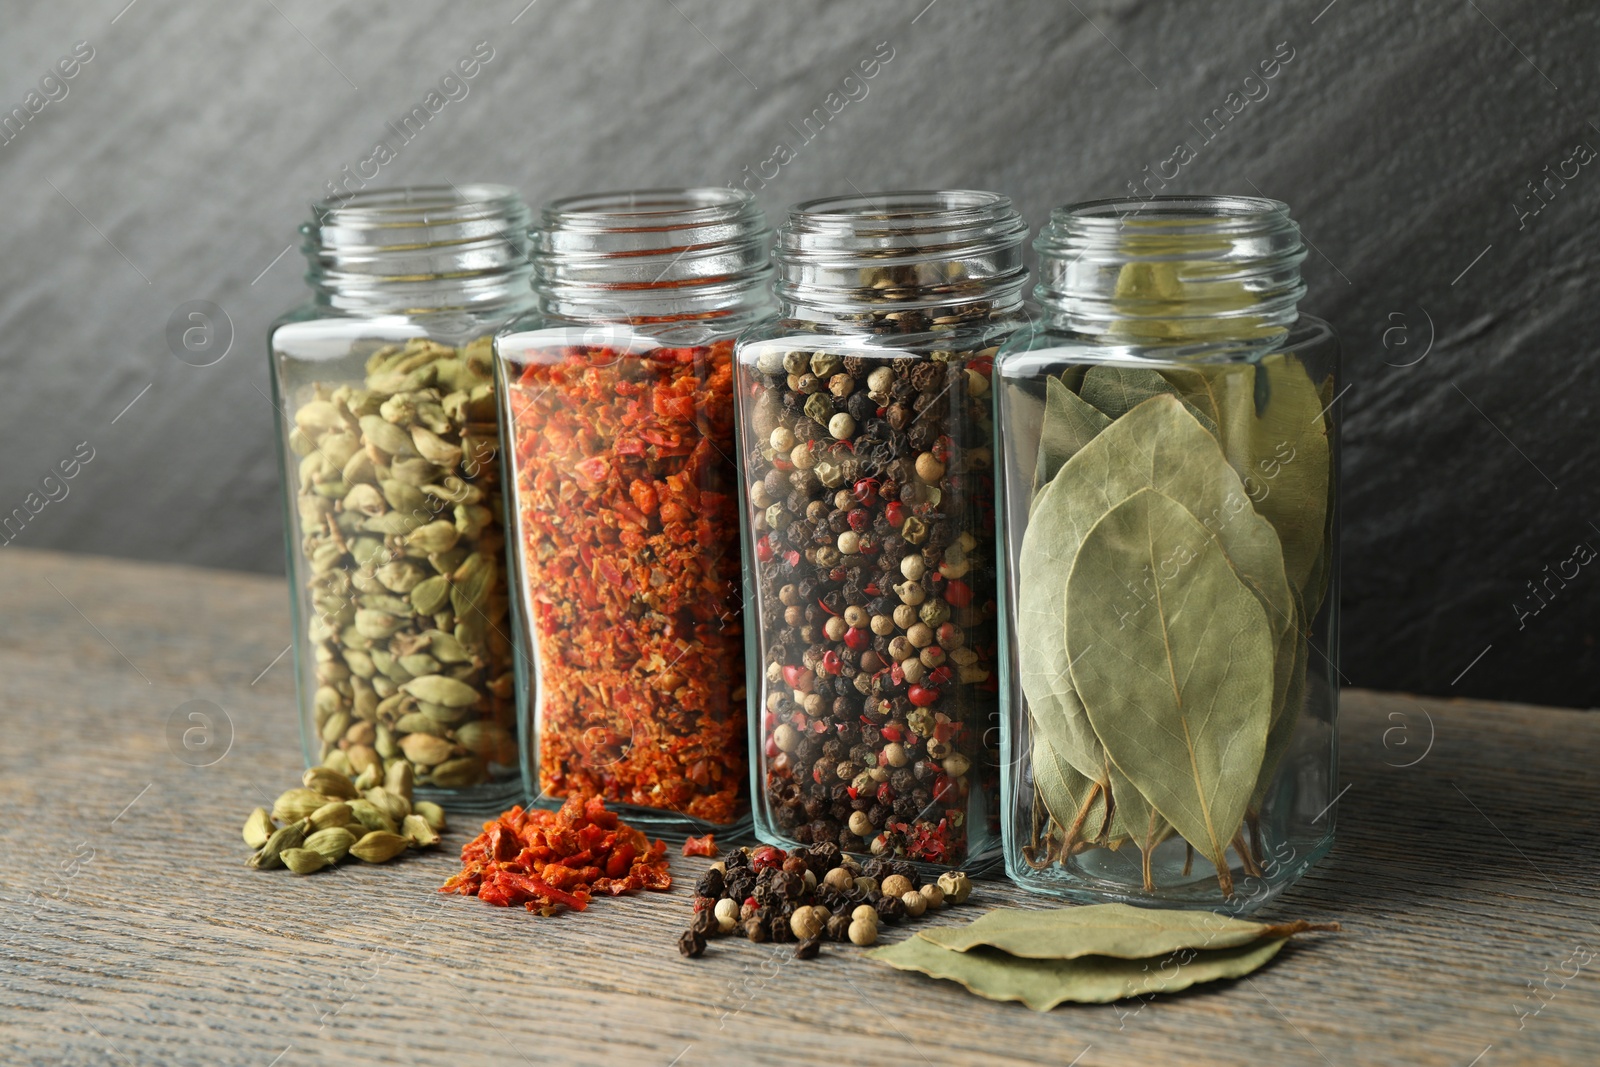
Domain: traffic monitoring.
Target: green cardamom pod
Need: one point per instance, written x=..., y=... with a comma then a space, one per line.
x=285, y=837
x=399, y=777
x=335, y=814
x=295, y=804
x=438, y=689
x=489, y=740
x=378, y=847
x=370, y=817
x=426, y=749
x=371, y=775
x=303, y=860
x=415, y=722
x=386, y=436
x=385, y=744
x=431, y=812
x=332, y=843
x=329, y=783
x=431, y=594
x=258, y=828
x=338, y=761
x=433, y=538
x=457, y=773
x=418, y=832
x=394, y=806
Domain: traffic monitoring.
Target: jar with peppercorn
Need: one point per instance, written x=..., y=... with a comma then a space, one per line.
x=1169, y=460
x=617, y=405
x=865, y=438
x=385, y=385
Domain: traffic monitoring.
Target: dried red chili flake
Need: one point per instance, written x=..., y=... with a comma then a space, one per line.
x=626, y=501
x=702, y=846
x=549, y=860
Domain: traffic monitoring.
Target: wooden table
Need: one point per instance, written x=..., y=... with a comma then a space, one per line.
x=1464, y=875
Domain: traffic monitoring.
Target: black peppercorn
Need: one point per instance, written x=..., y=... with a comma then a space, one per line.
x=755, y=928
x=838, y=928
x=808, y=949
x=711, y=884
x=890, y=909
x=705, y=924
x=691, y=944
x=876, y=869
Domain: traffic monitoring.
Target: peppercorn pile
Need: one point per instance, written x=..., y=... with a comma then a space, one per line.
x=626, y=510
x=809, y=895
x=873, y=535
x=547, y=860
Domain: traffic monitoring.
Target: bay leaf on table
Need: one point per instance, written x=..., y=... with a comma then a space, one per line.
x=1178, y=687
x=1069, y=423
x=1043, y=984
x=1119, y=930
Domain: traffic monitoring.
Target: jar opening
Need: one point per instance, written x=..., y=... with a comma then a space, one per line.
x=653, y=255
x=930, y=249
x=1177, y=270
x=419, y=248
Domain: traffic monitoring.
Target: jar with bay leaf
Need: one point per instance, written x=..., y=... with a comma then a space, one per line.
x=1169, y=459
x=384, y=384
x=866, y=443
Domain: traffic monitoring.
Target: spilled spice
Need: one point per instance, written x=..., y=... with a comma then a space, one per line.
x=549, y=860
x=702, y=846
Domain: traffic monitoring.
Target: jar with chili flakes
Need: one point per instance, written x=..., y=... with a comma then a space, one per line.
x=618, y=427
x=865, y=437
x=384, y=382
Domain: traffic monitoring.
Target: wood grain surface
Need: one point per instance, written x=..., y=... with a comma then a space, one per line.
x=132, y=933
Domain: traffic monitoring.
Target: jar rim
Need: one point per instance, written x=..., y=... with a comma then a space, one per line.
x=941, y=204
x=687, y=205
x=1173, y=214
x=413, y=204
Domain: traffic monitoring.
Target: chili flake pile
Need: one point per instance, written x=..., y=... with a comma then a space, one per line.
x=547, y=860
x=626, y=506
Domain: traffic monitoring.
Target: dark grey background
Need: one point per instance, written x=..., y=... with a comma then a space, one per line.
x=1403, y=136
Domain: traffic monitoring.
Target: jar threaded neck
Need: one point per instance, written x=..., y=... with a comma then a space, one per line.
x=1174, y=269
x=419, y=248
x=930, y=251
x=652, y=255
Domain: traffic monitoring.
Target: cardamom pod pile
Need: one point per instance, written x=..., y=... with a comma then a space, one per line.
x=399, y=509
x=1175, y=554
x=331, y=817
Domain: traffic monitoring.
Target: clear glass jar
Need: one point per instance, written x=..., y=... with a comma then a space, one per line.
x=869, y=530
x=618, y=415
x=1169, y=459
x=384, y=382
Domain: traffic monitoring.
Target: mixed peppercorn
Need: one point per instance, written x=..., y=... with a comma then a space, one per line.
x=809, y=895
x=870, y=493
x=625, y=502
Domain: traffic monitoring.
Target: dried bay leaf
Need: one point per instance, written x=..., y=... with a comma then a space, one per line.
x=1178, y=687
x=1115, y=391
x=1069, y=423
x=1158, y=445
x=1043, y=984
x=1067, y=794
x=1271, y=424
x=1119, y=930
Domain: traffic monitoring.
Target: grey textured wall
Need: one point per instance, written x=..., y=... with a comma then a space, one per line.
x=181, y=158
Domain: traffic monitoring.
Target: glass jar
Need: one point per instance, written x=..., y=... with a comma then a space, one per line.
x=1169, y=459
x=385, y=385
x=869, y=530
x=618, y=416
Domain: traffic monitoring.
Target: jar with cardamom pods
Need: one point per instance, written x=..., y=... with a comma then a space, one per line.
x=869, y=533
x=384, y=383
x=617, y=409
x=1169, y=464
